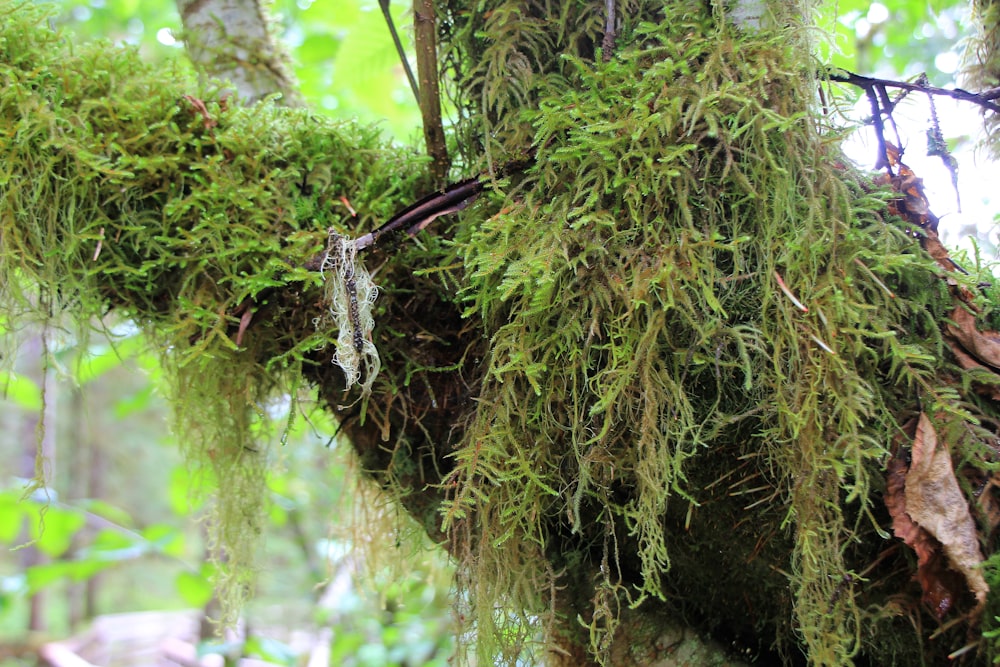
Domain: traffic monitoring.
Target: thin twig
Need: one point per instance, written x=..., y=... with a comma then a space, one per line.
x=883, y=155
x=984, y=99
x=608, y=42
x=455, y=197
x=425, y=32
x=417, y=216
x=384, y=5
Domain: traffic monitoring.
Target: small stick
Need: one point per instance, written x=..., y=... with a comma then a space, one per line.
x=984, y=99
x=788, y=293
x=455, y=197
x=608, y=41
x=420, y=214
x=384, y=5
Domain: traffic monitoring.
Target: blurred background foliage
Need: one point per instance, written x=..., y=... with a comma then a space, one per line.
x=121, y=513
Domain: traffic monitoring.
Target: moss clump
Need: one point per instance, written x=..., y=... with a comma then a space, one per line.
x=696, y=364
x=981, y=69
x=122, y=189
x=664, y=369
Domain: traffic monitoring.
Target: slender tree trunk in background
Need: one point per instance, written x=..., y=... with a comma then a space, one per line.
x=97, y=468
x=86, y=470
x=232, y=40
x=78, y=456
x=38, y=441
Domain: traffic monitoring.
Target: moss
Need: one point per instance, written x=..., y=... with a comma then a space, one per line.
x=128, y=187
x=659, y=372
x=981, y=67
x=689, y=294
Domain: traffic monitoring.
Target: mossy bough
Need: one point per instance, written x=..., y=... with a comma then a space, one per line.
x=704, y=336
x=121, y=189
x=690, y=334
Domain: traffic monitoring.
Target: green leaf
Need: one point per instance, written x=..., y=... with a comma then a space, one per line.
x=194, y=587
x=107, y=357
x=23, y=391
x=11, y=517
x=271, y=650
x=107, y=511
x=40, y=576
x=165, y=538
x=54, y=530
x=134, y=403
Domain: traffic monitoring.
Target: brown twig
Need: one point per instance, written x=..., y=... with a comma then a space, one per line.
x=984, y=99
x=608, y=41
x=425, y=32
x=455, y=197
x=384, y=5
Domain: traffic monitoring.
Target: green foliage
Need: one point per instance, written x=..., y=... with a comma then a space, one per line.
x=640, y=293
x=982, y=69
x=679, y=336
x=23, y=391
x=120, y=191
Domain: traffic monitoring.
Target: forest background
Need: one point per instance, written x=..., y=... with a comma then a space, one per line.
x=121, y=520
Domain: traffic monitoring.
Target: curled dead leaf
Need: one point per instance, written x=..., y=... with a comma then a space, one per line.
x=936, y=582
x=982, y=345
x=934, y=501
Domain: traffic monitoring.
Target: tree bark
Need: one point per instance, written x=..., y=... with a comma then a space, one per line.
x=233, y=40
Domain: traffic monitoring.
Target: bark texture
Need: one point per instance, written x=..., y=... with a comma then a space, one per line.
x=233, y=40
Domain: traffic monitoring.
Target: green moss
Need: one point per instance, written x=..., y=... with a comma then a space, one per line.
x=691, y=334
x=981, y=69
x=119, y=190
x=640, y=292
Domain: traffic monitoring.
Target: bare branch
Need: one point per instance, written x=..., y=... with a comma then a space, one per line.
x=984, y=99
x=384, y=5
x=425, y=29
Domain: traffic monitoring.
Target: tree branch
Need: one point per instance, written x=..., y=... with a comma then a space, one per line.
x=384, y=5
x=425, y=30
x=984, y=99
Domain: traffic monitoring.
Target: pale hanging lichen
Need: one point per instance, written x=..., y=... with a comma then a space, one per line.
x=349, y=295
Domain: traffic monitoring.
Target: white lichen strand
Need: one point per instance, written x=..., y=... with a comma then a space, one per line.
x=350, y=295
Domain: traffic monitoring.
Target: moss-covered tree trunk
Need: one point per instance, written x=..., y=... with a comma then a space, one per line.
x=686, y=366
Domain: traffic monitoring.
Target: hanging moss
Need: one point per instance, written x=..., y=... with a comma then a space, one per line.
x=981, y=69
x=663, y=370
x=127, y=187
x=689, y=299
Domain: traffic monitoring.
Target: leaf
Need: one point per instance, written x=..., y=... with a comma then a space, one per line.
x=54, y=530
x=931, y=515
x=107, y=357
x=194, y=588
x=11, y=518
x=22, y=390
x=39, y=577
x=929, y=563
x=982, y=345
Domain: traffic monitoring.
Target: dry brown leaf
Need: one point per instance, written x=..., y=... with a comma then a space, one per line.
x=936, y=503
x=983, y=345
x=938, y=585
x=967, y=362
